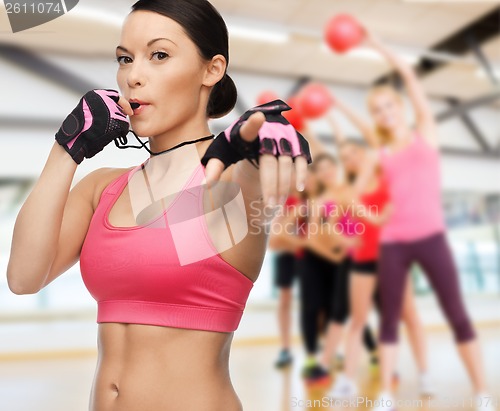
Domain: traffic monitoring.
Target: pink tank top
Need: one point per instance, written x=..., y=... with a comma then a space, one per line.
x=135, y=275
x=414, y=185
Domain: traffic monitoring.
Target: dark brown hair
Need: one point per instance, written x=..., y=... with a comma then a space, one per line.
x=321, y=157
x=207, y=29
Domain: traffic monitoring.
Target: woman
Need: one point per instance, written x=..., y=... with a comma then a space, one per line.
x=369, y=215
x=298, y=229
x=339, y=231
x=287, y=247
x=317, y=267
x=415, y=229
x=167, y=308
x=334, y=228
x=327, y=171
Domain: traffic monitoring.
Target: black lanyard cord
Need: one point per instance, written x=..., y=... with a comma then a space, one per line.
x=123, y=141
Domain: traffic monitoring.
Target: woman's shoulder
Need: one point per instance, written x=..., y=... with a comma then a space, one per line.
x=323, y=198
x=104, y=175
x=426, y=134
x=97, y=180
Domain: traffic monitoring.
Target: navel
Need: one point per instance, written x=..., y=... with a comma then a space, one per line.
x=114, y=388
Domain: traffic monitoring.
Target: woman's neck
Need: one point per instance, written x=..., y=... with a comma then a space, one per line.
x=333, y=186
x=351, y=177
x=185, y=132
x=400, y=134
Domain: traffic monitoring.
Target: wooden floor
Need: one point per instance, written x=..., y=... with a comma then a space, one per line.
x=64, y=384
x=267, y=390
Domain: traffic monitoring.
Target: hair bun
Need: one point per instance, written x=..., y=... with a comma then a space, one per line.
x=222, y=98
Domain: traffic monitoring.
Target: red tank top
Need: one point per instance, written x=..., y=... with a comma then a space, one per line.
x=367, y=250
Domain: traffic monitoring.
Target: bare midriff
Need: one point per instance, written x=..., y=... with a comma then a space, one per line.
x=151, y=368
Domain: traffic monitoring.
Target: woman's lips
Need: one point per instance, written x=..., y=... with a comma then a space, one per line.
x=138, y=107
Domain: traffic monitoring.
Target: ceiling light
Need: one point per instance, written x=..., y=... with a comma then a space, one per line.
x=367, y=53
x=258, y=34
x=481, y=73
x=97, y=15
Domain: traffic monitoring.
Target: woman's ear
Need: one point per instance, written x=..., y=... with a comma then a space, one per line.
x=216, y=69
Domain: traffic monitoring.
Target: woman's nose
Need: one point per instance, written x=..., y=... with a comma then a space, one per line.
x=136, y=76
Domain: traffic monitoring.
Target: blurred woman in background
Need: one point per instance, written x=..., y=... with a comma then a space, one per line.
x=332, y=203
x=415, y=230
x=338, y=231
x=369, y=211
x=287, y=247
x=317, y=266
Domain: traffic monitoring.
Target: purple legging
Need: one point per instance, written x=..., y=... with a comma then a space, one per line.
x=434, y=257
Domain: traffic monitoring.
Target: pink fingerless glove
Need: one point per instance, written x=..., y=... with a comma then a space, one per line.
x=276, y=137
x=93, y=124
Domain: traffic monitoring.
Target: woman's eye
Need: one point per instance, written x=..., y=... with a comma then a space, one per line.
x=160, y=55
x=123, y=60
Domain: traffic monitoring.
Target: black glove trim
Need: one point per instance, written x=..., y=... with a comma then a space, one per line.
x=223, y=150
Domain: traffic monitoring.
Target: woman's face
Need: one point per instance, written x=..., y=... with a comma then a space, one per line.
x=352, y=157
x=161, y=66
x=387, y=111
x=326, y=172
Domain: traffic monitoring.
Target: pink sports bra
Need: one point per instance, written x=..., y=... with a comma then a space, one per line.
x=135, y=275
x=345, y=223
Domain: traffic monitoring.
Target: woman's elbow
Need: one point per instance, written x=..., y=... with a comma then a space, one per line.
x=22, y=289
x=18, y=286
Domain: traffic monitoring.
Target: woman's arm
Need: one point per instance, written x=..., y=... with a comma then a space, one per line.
x=366, y=173
x=363, y=126
x=51, y=225
x=262, y=188
x=316, y=146
x=266, y=187
x=338, y=134
x=283, y=235
x=423, y=113
x=320, y=248
x=285, y=242
x=380, y=217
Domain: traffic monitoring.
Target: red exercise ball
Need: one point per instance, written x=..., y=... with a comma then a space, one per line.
x=314, y=100
x=266, y=97
x=343, y=32
x=294, y=116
